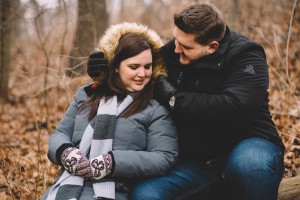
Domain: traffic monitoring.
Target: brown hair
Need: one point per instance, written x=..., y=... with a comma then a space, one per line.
x=204, y=20
x=129, y=45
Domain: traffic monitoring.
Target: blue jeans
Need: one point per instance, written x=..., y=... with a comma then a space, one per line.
x=251, y=171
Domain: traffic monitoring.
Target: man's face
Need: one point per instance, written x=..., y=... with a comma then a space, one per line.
x=188, y=48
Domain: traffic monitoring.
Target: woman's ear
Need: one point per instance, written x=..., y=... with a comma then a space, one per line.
x=213, y=46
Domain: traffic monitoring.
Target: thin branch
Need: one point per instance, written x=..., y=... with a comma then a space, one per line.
x=65, y=27
x=288, y=40
x=47, y=60
x=6, y=177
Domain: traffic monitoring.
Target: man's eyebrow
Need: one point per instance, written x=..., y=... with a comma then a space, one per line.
x=186, y=47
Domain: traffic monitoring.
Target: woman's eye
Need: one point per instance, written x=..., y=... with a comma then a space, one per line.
x=133, y=67
x=148, y=66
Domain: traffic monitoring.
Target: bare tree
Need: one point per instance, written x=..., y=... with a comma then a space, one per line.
x=5, y=38
x=91, y=24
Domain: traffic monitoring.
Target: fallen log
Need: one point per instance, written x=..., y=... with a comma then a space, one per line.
x=289, y=189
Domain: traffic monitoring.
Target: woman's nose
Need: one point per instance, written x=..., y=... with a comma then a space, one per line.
x=141, y=72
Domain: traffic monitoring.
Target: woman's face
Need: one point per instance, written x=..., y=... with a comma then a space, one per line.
x=135, y=72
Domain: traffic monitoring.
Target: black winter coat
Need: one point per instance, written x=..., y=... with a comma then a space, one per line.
x=222, y=98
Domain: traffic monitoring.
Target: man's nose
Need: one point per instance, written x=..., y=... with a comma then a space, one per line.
x=178, y=48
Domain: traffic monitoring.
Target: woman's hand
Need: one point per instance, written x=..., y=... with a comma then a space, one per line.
x=101, y=166
x=75, y=162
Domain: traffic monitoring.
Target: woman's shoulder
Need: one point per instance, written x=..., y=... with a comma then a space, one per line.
x=154, y=112
x=155, y=104
x=81, y=94
x=155, y=107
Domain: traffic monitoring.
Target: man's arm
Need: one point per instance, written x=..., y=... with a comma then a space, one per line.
x=243, y=92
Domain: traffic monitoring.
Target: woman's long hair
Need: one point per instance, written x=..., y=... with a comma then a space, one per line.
x=131, y=44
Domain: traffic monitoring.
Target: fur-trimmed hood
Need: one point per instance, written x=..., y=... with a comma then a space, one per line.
x=110, y=41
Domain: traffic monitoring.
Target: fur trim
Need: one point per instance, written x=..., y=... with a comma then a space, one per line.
x=110, y=41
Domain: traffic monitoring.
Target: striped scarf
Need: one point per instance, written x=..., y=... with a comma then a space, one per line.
x=97, y=139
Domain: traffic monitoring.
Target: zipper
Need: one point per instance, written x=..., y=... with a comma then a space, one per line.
x=179, y=78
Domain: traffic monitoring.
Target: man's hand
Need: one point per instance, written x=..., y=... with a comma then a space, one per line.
x=75, y=162
x=163, y=90
x=96, y=64
x=101, y=166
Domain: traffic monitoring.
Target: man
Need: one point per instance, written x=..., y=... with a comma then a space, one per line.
x=216, y=88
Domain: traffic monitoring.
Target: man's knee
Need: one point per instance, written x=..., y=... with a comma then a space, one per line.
x=253, y=156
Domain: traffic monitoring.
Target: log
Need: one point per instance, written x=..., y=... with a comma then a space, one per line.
x=289, y=189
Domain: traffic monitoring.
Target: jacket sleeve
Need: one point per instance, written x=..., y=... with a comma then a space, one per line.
x=242, y=94
x=161, y=153
x=63, y=133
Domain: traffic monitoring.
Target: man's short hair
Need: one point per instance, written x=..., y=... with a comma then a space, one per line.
x=205, y=20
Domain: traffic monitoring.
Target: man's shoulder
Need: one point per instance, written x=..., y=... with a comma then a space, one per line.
x=240, y=43
x=239, y=40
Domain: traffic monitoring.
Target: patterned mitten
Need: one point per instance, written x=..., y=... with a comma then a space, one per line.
x=75, y=162
x=101, y=166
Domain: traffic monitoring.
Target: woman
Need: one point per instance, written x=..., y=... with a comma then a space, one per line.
x=114, y=134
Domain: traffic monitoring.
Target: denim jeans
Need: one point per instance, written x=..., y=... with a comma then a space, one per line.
x=251, y=171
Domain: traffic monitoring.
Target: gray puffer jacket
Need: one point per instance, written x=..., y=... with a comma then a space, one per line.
x=144, y=145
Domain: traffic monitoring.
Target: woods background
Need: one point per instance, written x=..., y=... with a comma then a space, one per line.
x=43, y=52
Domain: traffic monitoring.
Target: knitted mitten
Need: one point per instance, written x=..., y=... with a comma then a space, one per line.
x=75, y=162
x=101, y=166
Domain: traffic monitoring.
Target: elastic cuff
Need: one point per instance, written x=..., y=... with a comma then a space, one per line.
x=113, y=163
x=60, y=151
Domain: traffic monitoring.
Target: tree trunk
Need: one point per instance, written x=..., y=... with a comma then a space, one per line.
x=289, y=189
x=5, y=37
x=91, y=24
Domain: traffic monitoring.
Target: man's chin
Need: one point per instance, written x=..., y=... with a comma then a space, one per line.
x=184, y=61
